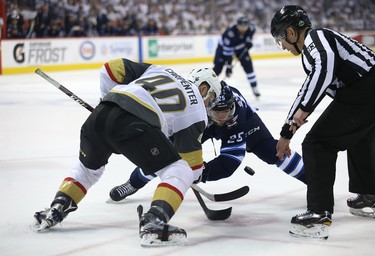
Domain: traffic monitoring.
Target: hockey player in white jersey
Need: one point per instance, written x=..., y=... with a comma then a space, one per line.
x=136, y=118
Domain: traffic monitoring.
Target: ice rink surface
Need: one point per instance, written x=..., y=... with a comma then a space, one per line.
x=39, y=138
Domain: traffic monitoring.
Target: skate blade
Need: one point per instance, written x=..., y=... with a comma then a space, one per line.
x=318, y=231
x=35, y=226
x=110, y=201
x=151, y=240
x=39, y=227
x=363, y=212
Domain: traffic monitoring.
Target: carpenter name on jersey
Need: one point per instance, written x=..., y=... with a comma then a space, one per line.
x=186, y=85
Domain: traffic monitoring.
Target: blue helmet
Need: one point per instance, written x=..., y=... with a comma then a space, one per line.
x=223, y=108
x=225, y=99
x=243, y=21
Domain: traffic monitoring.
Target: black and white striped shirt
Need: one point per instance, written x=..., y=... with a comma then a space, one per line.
x=331, y=60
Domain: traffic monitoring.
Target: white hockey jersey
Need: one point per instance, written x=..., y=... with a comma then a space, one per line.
x=166, y=100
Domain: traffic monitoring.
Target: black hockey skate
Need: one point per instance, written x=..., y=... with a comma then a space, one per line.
x=311, y=225
x=362, y=205
x=119, y=193
x=155, y=233
x=52, y=216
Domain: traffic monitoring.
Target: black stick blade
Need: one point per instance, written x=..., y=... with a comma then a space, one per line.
x=213, y=214
x=232, y=195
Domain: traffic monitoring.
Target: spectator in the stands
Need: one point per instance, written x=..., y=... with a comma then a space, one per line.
x=15, y=23
x=1, y=23
x=179, y=17
x=55, y=28
x=151, y=28
x=42, y=19
x=101, y=19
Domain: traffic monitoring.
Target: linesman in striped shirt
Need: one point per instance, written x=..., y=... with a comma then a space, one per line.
x=338, y=66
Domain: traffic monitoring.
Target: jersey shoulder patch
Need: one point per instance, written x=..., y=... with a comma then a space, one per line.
x=310, y=47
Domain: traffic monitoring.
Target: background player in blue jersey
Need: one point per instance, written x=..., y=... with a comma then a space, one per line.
x=237, y=40
x=240, y=129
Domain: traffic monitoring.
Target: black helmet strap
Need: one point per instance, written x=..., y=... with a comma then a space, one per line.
x=295, y=43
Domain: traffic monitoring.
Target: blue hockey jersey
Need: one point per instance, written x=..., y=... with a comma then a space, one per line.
x=232, y=42
x=233, y=137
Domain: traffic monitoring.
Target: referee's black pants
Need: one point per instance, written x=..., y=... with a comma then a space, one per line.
x=348, y=123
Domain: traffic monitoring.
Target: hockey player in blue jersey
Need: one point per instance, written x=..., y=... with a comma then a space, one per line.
x=240, y=129
x=237, y=40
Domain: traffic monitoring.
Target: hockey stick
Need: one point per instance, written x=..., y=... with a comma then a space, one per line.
x=211, y=214
x=244, y=51
x=225, y=196
x=64, y=90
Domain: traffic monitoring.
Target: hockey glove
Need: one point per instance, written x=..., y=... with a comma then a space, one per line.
x=228, y=71
x=204, y=174
x=249, y=45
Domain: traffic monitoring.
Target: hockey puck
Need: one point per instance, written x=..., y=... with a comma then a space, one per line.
x=249, y=170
